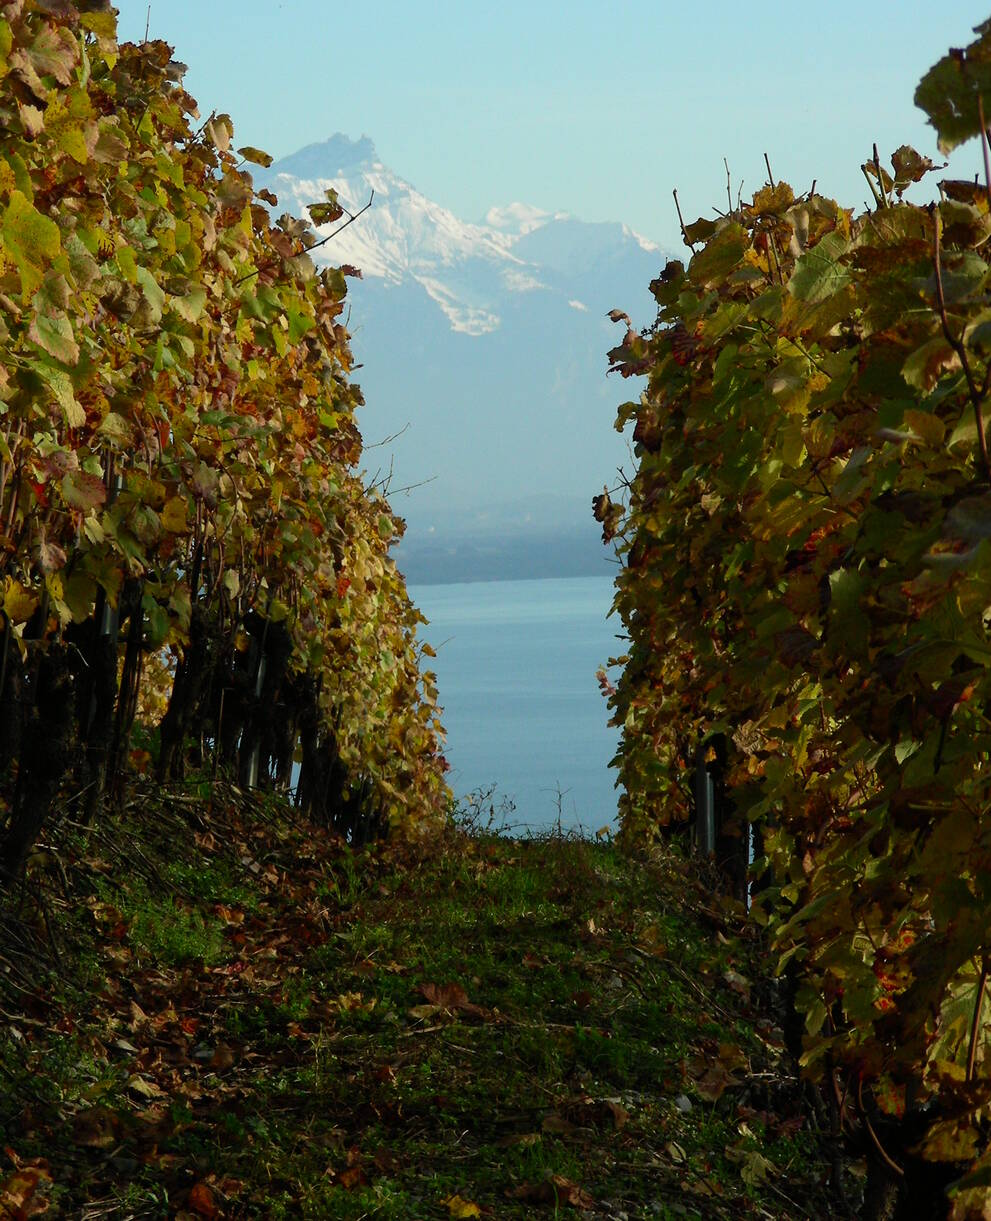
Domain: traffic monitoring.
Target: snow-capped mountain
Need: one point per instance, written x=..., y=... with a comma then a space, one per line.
x=483, y=344
x=471, y=271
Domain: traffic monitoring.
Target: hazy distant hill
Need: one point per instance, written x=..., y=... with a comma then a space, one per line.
x=484, y=345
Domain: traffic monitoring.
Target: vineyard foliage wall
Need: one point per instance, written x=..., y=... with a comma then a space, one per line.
x=807, y=547
x=183, y=527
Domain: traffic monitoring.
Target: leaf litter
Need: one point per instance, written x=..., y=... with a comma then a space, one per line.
x=258, y=1022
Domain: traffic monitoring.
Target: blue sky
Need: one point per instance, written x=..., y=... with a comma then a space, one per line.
x=598, y=108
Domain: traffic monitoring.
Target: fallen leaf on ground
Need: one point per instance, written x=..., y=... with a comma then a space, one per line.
x=556, y=1190
x=202, y=1201
x=520, y=1138
x=733, y=1057
x=451, y=997
x=423, y=1012
x=459, y=1207
x=141, y=1085
x=222, y=1058
x=754, y=1167
x=739, y=983
x=95, y=1128
x=18, y=1192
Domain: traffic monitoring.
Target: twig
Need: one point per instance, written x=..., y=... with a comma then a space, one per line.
x=984, y=147
x=885, y=1156
x=147, y=23
x=729, y=196
x=770, y=176
x=774, y=250
x=408, y=1034
x=870, y=182
x=681, y=221
x=352, y=217
x=386, y=440
x=411, y=487
x=975, y=1024
x=692, y=983
x=880, y=179
x=976, y=396
x=787, y=1199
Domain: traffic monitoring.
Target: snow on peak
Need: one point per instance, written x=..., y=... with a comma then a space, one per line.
x=643, y=242
x=515, y=219
x=468, y=270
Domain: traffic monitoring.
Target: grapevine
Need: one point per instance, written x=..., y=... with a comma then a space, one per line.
x=184, y=529
x=807, y=572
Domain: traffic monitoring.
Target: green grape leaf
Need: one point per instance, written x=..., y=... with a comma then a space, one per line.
x=819, y=274
x=60, y=384
x=190, y=306
x=953, y=91
x=153, y=293
x=721, y=255
x=31, y=239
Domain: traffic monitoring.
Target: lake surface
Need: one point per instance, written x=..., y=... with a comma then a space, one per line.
x=516, y=663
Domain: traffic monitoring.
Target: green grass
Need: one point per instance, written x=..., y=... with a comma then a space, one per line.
x=254, y=1020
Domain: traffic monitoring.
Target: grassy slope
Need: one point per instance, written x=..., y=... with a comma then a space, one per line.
x=249, y=1021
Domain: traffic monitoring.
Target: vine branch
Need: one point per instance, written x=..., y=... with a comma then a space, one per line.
x=884, y=1154
x=351, y=218
x=984, y=147
x=681, y=222
x=975, y=1025
x=976, y=395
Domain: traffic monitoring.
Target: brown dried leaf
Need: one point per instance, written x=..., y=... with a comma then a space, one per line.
x=95, y=1128
x=555, y=1190
x=202, y=1201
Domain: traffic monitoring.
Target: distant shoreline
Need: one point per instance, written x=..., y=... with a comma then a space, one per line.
x=463, y=561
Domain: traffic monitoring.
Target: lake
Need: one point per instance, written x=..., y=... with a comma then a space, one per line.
x=516, y=663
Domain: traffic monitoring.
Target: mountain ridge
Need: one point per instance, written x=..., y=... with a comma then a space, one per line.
x=406, y=234
x=482, y=347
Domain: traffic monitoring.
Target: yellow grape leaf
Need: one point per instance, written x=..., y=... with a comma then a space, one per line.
x=104, y=25
x=7, y=179
x=19, y=604
x=459, y=1207
x=256, y=156
x=31, y=239
x=174, y=516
